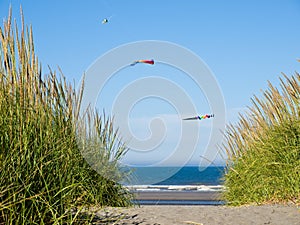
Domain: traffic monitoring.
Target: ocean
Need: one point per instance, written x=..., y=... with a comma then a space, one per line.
x=188, y=175
x=189, y=185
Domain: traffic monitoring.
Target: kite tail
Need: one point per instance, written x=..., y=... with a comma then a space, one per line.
x=134, y=63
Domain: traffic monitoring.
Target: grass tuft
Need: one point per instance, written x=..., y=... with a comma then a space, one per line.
x=44, y=176
x=263, y=149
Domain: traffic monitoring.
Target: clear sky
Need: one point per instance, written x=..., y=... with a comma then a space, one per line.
x=243, y=43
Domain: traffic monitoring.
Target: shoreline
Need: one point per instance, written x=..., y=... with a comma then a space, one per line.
x=178, y=198
x=178, y=195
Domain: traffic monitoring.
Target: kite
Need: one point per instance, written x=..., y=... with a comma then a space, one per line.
x=105, y=20
x=143, y=61
x=206, y=116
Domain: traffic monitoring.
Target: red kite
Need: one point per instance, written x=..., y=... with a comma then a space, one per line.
x=143, y=61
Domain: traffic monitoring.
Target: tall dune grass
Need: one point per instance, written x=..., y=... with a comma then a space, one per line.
x=263, y=149
x=43, y=175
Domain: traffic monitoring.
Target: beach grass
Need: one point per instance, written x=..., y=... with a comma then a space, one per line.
x=44, y=177
x=263, y=148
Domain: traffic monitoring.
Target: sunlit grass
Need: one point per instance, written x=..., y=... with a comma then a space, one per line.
x=43, y=175
x=263, y=149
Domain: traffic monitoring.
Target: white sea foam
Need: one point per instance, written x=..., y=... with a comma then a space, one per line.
x=154, y=188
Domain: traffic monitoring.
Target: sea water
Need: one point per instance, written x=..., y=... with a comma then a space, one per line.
x=176, y=179
x=187, y=175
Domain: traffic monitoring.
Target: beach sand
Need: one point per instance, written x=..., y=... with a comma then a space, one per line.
x=196, y=214
x=200, y=214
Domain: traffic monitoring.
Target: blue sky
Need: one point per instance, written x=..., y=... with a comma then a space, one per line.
x=243, y=43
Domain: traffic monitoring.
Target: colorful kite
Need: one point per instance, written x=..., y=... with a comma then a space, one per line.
x=206, y=116
x=143, y=61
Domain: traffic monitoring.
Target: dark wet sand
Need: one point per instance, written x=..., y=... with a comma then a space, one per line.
x=179, y=195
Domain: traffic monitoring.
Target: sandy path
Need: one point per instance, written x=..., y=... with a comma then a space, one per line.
x=204, y=215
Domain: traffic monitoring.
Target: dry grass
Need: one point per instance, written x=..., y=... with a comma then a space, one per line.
x=263, y=149
x=43, y=174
